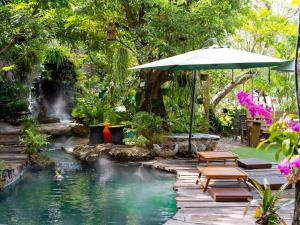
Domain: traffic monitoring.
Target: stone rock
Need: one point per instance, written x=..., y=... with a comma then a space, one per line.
x=80, y=130
x=130, y=153
x=41, y=162
x=91, y=153
x=167, y=150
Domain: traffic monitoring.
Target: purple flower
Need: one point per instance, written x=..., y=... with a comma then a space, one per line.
x=294, y=126
x=244, y=98
x=295, y=161
x=284, y=167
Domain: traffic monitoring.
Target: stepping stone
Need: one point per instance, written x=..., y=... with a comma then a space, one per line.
x=253, y=163
x=220, y=194
x=275, y=181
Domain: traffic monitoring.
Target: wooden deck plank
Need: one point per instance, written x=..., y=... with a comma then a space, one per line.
x=196, y=207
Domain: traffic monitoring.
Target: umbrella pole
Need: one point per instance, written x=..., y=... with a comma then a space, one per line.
x=192, y=111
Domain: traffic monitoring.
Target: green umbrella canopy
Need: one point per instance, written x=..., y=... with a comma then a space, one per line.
x=214, y=57
x=288, y=66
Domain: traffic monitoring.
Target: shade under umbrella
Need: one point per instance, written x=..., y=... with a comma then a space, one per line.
x=214, y=57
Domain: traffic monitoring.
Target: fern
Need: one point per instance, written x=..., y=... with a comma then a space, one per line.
x=31, y=137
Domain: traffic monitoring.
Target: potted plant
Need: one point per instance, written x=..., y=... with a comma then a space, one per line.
x=117, y=118
x=266, y=211
x=90, y=109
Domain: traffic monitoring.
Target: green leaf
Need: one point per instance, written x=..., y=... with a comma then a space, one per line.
x=277, y=153
x=286, y=144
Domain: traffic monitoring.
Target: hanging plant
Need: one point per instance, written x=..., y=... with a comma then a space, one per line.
x=120, y=66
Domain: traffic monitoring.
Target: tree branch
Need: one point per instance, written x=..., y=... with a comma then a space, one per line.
x=229, y=87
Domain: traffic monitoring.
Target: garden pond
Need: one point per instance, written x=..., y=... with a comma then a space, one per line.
x=105, y=193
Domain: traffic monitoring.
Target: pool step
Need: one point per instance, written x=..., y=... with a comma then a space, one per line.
x=12, y=154
x=12, y=149
x=9, y=139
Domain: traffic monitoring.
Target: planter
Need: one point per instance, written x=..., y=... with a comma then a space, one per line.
x=96, y=134
x=117, y=134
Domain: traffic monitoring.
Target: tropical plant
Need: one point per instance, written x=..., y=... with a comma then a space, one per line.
x=14, y=98
x=31, y=137
x=285, y=138
x=149, y=128
x=89, y=107
x=266, y=213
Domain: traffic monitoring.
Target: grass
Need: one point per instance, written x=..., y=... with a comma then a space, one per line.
x=248, y=152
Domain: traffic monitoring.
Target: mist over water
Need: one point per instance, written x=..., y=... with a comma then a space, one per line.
x=109, y=193
x=58, y=109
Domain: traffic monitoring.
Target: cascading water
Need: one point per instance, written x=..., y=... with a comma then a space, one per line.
x=62, y=160
x=54, y=100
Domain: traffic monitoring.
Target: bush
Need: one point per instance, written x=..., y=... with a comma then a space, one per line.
x=31, y=137
x=149, y=129
x=13, y=98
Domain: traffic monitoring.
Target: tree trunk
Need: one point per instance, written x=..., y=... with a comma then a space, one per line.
x=229, y=87
x=153, y=100
x=296, y=217
x=206, y=98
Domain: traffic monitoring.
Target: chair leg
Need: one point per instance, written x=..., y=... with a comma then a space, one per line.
x=198, y=179
x=245, y=182
x=206, y=185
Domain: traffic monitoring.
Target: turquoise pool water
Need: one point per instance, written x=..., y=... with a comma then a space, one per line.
x=108, y=193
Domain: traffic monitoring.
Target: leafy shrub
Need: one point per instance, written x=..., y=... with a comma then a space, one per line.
x=149, y=129
x=13, y=98
x=89, y=108
x=31, y=137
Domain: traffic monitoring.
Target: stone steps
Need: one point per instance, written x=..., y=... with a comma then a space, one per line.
x=12, y=154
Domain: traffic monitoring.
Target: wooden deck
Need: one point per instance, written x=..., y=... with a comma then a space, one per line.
x=196, y=207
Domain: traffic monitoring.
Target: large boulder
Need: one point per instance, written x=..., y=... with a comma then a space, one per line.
x=91, y=153
x=130, y=153
x=118, y=152
x=80, y=130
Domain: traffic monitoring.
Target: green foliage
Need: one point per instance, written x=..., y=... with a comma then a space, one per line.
x=270, y=203
x=2, y=168
x=120, y=66
x=89, y=107
x=149, y=129
x=56, y=56
x=14, y=98
x=31, y=137
x=284, y=140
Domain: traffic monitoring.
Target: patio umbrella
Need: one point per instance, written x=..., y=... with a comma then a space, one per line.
x=214, y=57
x=288, y=66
